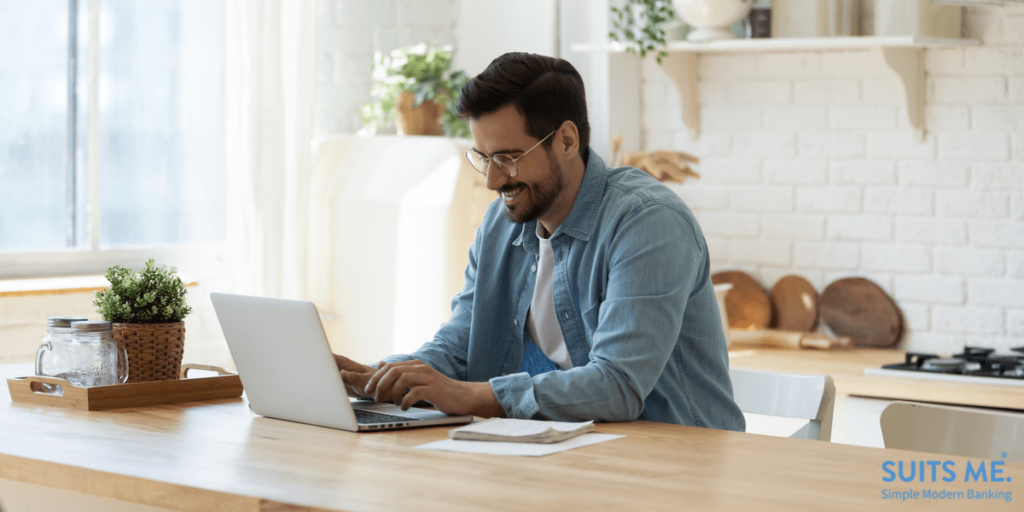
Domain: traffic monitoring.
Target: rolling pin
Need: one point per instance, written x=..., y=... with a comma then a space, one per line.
x=788, y=339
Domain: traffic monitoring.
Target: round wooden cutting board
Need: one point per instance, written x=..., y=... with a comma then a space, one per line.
x=796, y=304
x=858, y=308
x=746, y=305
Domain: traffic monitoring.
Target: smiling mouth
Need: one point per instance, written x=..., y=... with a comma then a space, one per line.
x=510, y=195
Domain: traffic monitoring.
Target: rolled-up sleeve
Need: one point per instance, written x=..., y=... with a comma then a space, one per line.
x=515, y=394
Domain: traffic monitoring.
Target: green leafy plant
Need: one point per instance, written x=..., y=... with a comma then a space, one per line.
x=422, y=70
x=641, y=22
x=153, y=295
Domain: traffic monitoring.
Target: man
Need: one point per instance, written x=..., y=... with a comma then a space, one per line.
x=588, y=291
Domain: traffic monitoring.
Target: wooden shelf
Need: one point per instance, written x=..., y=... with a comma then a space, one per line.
x=904, y=55
x=792, y=44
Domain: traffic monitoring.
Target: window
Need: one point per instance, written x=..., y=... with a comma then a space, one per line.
x=111, y=126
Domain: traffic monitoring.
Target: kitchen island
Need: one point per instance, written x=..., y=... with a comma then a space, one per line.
x=860, y=399
x=218, y=455
x=847, y=369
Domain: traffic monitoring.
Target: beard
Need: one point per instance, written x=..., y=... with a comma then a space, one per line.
x=542, y=194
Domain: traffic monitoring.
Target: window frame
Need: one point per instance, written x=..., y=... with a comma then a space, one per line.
x=93, y=258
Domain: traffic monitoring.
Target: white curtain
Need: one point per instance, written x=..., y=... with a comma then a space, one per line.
x=270, y=97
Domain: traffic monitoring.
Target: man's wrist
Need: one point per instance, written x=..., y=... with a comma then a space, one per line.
x=485, y=404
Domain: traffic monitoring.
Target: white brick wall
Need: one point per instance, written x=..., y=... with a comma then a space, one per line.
x=832, y=144
x=810, y=167
x=930, y=289
x=859, y=228
x=829, y=199
x=897, y=201
x=862, y=172
x=350, y=31
x=969, y=262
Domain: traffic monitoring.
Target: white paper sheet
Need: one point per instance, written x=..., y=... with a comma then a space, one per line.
x=518, y=449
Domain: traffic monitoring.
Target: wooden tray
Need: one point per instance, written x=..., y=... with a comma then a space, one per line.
x=137, y=394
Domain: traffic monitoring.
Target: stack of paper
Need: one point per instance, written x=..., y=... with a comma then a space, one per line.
x=510, y=430
x=531, y=438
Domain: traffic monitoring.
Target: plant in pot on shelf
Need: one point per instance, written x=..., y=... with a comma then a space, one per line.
x=641, y=25
x=147, y=308
x=415, y=88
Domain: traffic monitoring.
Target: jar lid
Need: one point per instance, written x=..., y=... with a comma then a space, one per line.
x=63, y=321
x=95, y=326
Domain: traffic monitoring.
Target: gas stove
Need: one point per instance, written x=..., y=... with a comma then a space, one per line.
x=975, y=364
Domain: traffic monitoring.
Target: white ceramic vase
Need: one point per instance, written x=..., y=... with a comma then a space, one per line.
x=711, y=19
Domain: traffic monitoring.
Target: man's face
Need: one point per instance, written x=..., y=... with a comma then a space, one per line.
x=530, y=194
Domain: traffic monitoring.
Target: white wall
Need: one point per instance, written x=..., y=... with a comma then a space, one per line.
x=810, y=167
x=490, y=28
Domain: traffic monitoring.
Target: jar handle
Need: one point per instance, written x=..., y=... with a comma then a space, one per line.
x=44, y=348
x=122, y=364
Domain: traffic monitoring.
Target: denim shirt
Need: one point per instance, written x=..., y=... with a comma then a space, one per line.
x=635, y=303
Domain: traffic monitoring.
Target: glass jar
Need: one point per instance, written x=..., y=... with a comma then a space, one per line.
x=52, y=356
x=93, y=358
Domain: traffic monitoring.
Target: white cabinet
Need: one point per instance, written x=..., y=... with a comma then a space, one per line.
x=856, y=421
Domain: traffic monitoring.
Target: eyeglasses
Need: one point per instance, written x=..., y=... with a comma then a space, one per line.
x=505, y=163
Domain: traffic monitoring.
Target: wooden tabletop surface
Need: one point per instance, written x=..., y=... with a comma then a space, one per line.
x=220, y=456
x=847, y=369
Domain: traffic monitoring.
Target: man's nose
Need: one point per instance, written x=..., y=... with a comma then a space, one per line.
x=495, y=177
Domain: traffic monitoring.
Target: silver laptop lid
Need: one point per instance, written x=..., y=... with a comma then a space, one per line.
x=284, y=360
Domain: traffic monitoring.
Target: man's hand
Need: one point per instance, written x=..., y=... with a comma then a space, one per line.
x=408, y=382
x=354, y=375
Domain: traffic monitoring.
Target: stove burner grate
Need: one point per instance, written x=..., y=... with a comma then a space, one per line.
x=973, y=361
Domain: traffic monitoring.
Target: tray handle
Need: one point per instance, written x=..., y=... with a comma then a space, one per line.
x=31, y=384
x=193, y=366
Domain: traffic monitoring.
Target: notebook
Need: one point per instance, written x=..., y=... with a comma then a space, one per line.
x=288, y=371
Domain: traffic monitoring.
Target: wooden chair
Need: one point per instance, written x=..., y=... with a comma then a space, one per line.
x=966, y=432
x=786, y=395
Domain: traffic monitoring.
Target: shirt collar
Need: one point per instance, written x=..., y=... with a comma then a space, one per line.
x=583, y=216
x=580, y=222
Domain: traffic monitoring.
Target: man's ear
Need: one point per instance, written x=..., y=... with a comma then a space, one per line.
x=567, y=139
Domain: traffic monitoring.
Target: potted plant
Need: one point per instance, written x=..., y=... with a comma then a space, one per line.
x=147, y=309
x=642, y=23
x=417, y=86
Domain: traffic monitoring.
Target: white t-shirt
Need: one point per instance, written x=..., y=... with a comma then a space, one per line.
x=541, y=320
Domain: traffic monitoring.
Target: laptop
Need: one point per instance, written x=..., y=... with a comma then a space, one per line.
x=288, y=371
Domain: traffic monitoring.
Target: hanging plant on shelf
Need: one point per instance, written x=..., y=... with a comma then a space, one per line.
x=415, y=89
x=641, y=25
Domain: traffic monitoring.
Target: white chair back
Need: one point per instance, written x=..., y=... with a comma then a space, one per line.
x=787, y=395
x=950, y=430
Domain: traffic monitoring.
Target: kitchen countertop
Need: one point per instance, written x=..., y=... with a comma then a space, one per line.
x=847, y=369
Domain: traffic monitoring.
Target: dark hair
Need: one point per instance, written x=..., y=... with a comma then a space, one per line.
x=546, y=90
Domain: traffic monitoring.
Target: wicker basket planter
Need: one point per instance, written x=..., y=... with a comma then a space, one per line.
x=422, y=120
x=154, y=350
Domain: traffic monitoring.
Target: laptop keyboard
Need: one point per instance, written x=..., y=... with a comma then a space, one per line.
x=367, y=417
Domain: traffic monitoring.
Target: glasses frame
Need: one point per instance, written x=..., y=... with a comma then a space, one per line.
x=515, y=160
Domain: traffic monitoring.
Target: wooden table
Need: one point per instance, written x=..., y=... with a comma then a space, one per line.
x=219, y=456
